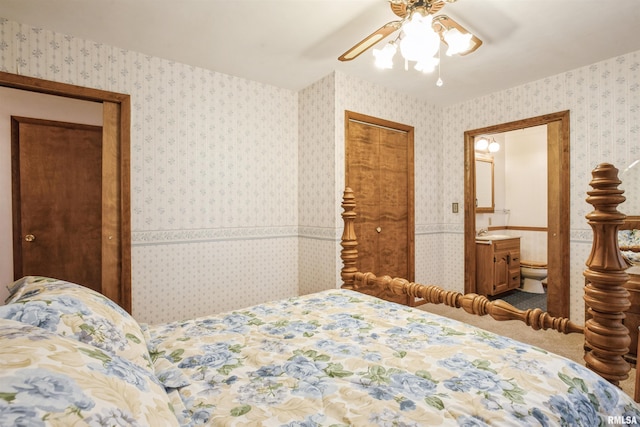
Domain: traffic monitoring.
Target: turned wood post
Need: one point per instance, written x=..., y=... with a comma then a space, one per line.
x=349, y=252
x=606, y=337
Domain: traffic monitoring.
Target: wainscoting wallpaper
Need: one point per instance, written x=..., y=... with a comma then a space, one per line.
x=236, y=184
x=319, y=233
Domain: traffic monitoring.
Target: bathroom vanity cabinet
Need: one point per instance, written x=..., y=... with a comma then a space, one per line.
x=497, y=265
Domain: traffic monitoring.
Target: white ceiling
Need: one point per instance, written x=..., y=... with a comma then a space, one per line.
x=293, y=43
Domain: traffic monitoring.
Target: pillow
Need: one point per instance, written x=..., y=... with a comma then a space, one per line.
x=50, y=380
x=16, y=289
x=80, y=313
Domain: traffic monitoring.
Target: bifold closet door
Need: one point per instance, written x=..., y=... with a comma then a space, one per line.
x=379, y=170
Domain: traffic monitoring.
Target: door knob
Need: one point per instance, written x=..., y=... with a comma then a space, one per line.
x=29, y=237
x=378, y=229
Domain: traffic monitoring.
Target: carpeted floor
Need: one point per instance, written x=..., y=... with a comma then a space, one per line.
x=569, y=346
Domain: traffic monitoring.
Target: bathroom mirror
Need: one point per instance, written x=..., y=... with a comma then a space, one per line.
x=484, y=184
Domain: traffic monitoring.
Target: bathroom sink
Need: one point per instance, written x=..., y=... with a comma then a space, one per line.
x=494, y=237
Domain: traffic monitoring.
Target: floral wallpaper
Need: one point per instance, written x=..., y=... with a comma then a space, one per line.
x=236, y=184
x=214, y=172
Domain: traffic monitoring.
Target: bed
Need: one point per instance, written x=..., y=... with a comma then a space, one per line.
x=629, y=239
x=70, y=356
x=629, y=243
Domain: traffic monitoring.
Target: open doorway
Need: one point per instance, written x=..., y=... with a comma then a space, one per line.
x=558, y=286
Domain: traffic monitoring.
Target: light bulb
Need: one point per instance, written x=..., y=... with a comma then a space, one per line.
x=419, y=41
x=427, y=65
x=457, y=41
x=384, y=56
x=482, y=143
x=494, y=147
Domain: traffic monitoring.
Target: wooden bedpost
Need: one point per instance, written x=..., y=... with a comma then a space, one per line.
x=386, y=287
x=606, y=337
x=349, y=253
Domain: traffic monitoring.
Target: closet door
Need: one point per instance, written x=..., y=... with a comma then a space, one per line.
x=379, y=169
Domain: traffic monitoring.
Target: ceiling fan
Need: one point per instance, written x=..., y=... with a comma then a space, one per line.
x=420, y=36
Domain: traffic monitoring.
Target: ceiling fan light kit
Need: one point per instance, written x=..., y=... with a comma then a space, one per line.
x=421, y=35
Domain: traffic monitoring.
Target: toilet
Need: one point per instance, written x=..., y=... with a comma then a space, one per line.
x=533, y=276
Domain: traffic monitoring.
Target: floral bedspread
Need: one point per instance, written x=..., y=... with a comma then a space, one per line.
x=341, y=358
x=629, y=243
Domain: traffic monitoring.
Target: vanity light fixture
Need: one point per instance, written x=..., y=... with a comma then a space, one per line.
x=487, y=145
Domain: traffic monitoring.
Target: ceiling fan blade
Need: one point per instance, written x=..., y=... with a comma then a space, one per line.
x=450, y=23
x=370, y=40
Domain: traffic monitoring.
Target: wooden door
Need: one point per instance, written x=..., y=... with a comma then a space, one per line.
x=379, y=170
x=57, y=200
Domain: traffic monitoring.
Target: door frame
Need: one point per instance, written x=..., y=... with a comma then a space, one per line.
x=558, y=216
x=116, y=204
x=409, y=130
